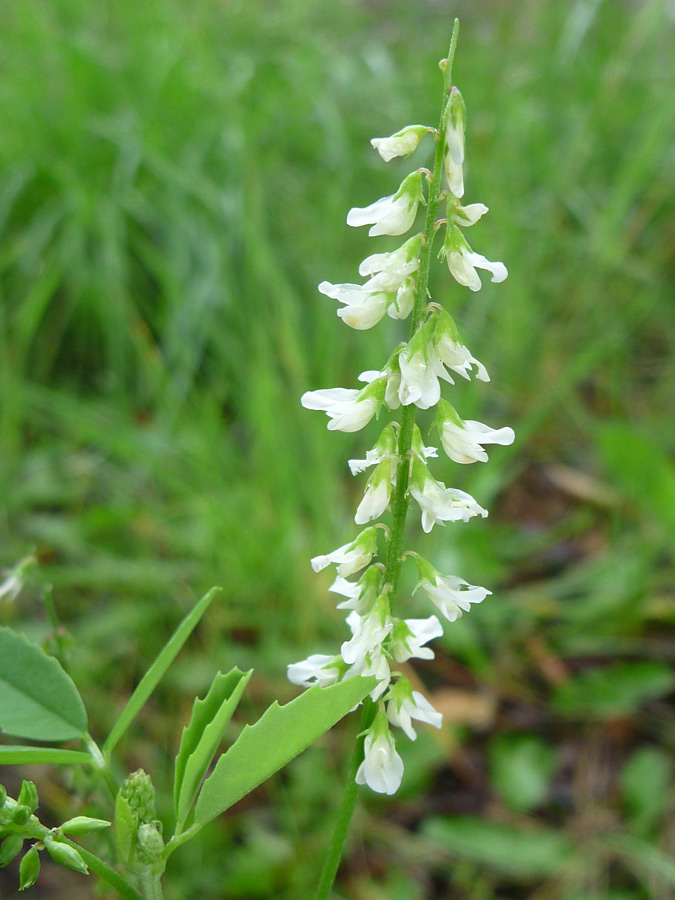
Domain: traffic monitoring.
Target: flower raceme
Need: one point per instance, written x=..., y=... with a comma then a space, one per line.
x=413, y=378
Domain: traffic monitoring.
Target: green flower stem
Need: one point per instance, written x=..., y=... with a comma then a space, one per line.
x=103, y=870
x=152, y=886
x=400, y=501
x=346, y=811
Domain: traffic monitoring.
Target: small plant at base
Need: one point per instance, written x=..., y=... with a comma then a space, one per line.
x=410, y=380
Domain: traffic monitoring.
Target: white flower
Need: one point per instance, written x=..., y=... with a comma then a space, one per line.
x=373, y=457
x=361, y=596
x=452, y=595
x=454, y=140
x=368, y=633
x=462, y=439
x=409, y=636
x=365, y=304
x=463, y=262
x=403, y=143
x=441, y=504
x=348, y=409
x=382, y=767
x=375, y=501
x=468, y=215
x=350, y=557
x=395, y=266
x=10, y=588
x=316, y=669
x=394, y=214
x=457, y=357
x=419, y=376
x=401, y=711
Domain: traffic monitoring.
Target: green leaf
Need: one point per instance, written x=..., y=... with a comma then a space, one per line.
x=27, y=756
x=644, y=858
x=642, y=469
x=124, y=828
x=279, y=735
x=38, y=700
x=645, y=785
x=522, y=766
x=152, y=677
x=513, y=851
x=614, y=690
x=199, y=741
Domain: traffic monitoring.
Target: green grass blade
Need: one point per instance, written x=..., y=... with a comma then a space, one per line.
x=152, y=677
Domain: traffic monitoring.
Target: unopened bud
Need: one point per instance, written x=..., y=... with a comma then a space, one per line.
x=28, y=795
x=150, y=844
x=29, y=869
x=67, y=856
x=21, y=814
x=11, y=846
x=83, y=825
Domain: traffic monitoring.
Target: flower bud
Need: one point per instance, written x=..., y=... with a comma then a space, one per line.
x=150, y=844
x=83, y=825
x=28, y=795
x=11, y=846
x=29, y=869
x=139, y=792
x=67, y=856
x=21, y=814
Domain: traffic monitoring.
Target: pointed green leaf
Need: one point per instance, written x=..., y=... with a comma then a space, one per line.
x=28, y=756
x=38, y=700
x=199, y=741
x=276, y=738
x=124, y=828
x=152, y=677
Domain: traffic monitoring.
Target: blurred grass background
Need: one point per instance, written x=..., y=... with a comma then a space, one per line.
x=174, y=179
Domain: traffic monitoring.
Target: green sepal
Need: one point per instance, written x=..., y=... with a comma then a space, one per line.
x=28, y=795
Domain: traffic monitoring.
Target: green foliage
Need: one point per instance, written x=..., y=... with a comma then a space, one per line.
x=510, y=850
x=522, y=766
x=157, y=670
x=277, y=737
x=38, y=700
x=27, y=756
x=200, y=739
x=646, y=779
x=617, y=689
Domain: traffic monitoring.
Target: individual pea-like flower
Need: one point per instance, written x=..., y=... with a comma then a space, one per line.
x=453, y=159
x=385, y=448
x=419, y=368
x=362, y=594
x=382, y=767
x=316, y=669
x=463, y=262
x=439, y=503
x=403, y=143
x=462, y=439
x=465, y=216
x=347, y=408
x=404, y=704
x=409, y=636
x=394, y=214
x=352, y=557
x=378, y=493
x=368, y=632
x=450, y=595
x=365, y=304
x=450, y=351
